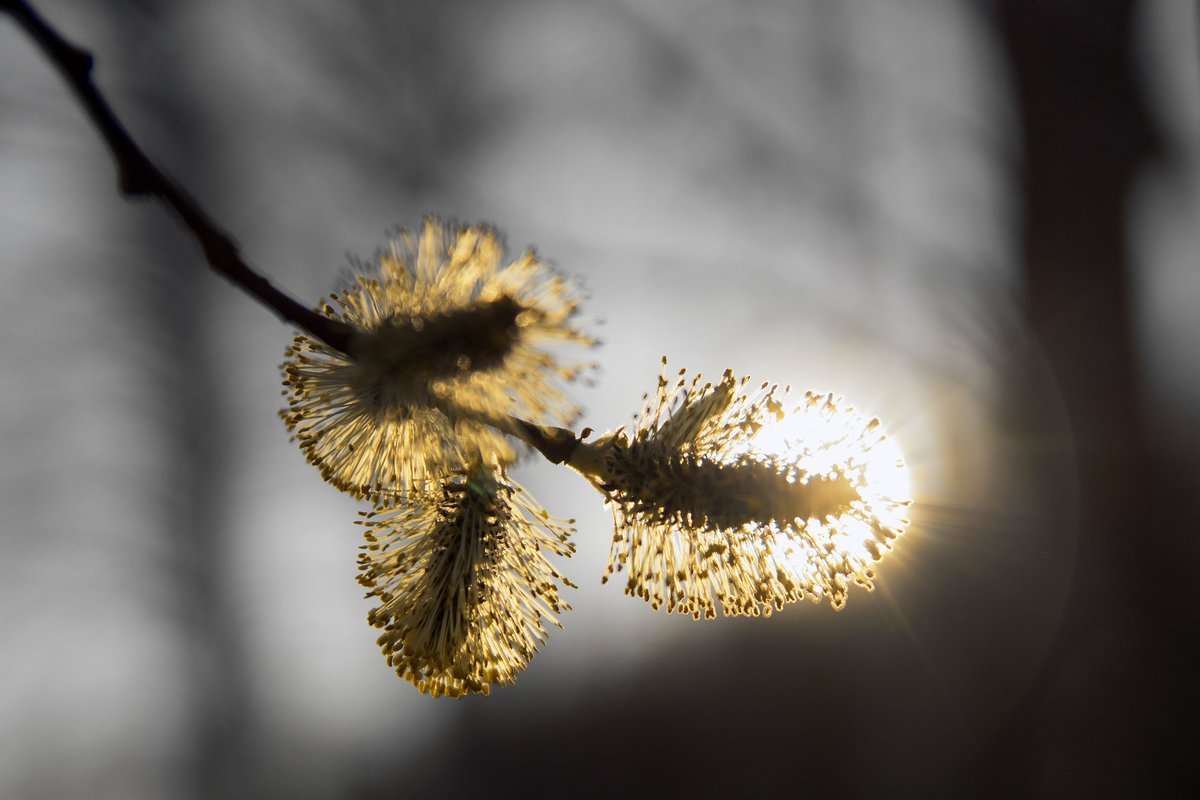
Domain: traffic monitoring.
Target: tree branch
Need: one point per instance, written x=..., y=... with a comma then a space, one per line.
x=137, y=176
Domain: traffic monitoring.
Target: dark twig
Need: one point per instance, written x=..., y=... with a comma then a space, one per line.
x=555, y=444
x=139, y=177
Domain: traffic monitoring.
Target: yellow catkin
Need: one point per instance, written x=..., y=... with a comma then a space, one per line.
x=707, y=516
x=448, y=332
x=463, y=582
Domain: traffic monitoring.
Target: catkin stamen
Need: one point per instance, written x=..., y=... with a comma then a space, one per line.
x=706, y=516
x=463, y=581
x=447, y=338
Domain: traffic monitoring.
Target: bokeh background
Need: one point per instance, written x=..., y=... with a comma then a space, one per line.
x=976, y=220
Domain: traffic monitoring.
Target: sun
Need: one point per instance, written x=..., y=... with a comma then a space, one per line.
x=825, y=436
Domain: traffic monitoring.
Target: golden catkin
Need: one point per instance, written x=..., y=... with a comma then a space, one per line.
x=447, y=334
x=713, y=507
x=463, y=582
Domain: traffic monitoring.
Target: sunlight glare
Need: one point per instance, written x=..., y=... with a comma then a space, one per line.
x=826, y=436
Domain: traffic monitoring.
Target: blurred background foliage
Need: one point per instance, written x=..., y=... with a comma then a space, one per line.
x=976, y=220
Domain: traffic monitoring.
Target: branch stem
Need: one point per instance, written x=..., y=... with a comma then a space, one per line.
x=557, y=445
x=137, y=176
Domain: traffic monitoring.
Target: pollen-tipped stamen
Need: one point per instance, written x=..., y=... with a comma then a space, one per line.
x=706, y=514
x=463, y=582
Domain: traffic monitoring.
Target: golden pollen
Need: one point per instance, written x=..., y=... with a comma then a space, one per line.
x=720, y=500
x=463, y=582
x=448, y=336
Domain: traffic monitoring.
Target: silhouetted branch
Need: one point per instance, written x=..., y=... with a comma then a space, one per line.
x=138, y=177
x=555, y=444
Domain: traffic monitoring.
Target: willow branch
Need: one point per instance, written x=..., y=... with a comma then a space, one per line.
x=557, y=445
x=137, y=176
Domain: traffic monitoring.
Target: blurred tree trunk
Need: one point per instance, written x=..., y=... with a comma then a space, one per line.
x=1109, y=711
x=174, y=299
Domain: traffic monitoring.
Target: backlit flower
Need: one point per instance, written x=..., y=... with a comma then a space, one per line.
x=463, y=582
x=733, y=497
x=447, y=334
